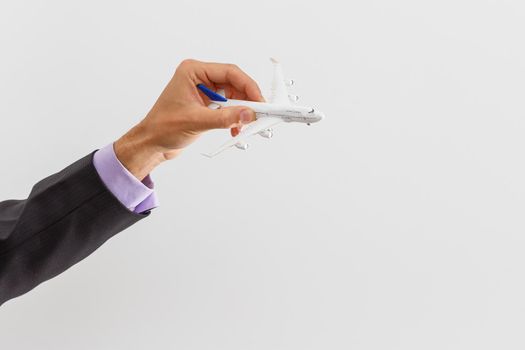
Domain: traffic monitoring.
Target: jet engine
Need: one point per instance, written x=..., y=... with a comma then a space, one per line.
x=293, y=98
x=243, y=146
x=268, y=133
x=290, y=82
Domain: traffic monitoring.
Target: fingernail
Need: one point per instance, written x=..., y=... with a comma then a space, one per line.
x=246, y=116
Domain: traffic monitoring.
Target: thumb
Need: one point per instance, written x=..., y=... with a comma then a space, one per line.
x=227, y=117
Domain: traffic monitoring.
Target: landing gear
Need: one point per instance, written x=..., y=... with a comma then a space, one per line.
x=268, y=133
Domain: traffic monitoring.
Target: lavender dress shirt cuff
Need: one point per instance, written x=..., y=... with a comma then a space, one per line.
x=135, y=195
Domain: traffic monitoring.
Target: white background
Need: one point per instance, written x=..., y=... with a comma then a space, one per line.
x=395, y=223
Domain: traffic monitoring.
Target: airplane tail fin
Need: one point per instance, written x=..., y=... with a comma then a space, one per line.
x=212, y=95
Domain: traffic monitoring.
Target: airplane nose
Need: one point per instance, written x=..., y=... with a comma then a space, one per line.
x=320, y=116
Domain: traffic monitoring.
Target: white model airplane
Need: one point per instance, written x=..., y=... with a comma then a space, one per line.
x=281, y=107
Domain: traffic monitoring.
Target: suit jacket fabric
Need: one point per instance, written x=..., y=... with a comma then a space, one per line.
x=66, y=217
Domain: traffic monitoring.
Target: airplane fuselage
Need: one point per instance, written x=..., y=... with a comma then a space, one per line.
x=288, y=113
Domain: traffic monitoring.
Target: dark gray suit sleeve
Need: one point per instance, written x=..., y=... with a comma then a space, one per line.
x=66, y=217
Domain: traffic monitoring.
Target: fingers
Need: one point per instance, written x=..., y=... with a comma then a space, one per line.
x=235, y=131
x=232, y=93
x=224, y=118
x=229, y=74
x=237, y=85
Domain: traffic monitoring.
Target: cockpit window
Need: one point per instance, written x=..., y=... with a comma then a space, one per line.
x=311, y=111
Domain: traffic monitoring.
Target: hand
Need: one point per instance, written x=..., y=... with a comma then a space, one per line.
x=181, y=114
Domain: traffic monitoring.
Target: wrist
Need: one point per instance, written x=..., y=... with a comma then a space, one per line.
x=137, y=153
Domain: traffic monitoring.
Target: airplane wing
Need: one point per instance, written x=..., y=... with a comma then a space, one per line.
x=279, y=88
x=253, y=128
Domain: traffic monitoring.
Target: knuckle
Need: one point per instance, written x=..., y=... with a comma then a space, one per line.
x=188, y=62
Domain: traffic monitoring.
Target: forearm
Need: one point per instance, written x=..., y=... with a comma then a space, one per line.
x=65, y=218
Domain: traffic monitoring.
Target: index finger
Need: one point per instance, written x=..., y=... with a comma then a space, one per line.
x=220, y=73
